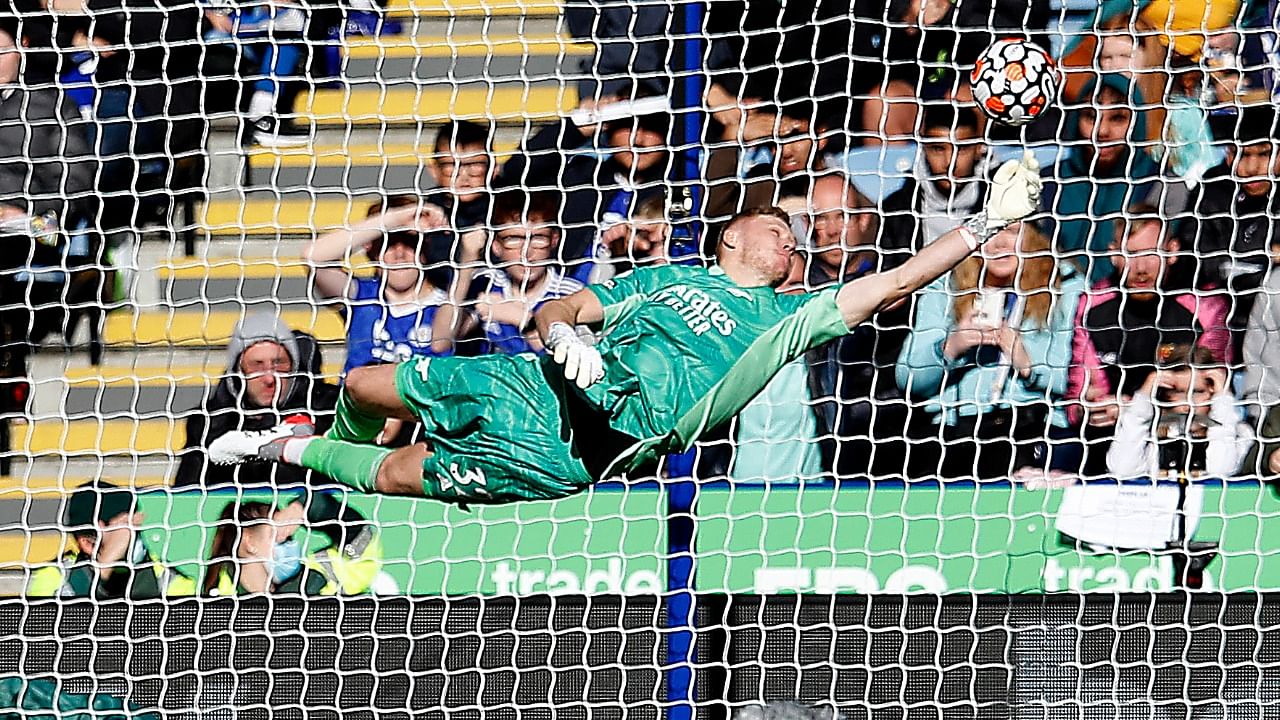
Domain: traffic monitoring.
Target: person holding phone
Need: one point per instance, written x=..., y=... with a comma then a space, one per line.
x=1182, y=421
x=987, y=357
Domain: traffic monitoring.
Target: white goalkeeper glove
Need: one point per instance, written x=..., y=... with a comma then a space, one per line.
x=1015, y=194
x=582, y=362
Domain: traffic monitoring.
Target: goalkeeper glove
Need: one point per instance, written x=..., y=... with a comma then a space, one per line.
x=1015, y=194
x=582, y=362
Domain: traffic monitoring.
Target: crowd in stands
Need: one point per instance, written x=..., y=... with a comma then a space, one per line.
x=1138, y=307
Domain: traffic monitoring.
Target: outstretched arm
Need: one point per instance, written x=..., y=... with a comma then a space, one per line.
x=1015, y=194
x=868, y=295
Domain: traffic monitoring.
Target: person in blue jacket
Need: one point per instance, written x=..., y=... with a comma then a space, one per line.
x=391, y=315
x=988, y=355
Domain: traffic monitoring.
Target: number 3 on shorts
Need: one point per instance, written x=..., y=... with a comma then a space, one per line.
x=464, y=484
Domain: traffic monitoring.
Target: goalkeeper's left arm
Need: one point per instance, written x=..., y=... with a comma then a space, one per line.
x=1015, y=194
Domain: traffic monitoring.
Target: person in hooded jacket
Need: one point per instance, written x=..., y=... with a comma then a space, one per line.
x=271, y=377
x=1106, y=171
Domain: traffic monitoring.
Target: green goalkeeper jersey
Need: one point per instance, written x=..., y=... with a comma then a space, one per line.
x=686, y=348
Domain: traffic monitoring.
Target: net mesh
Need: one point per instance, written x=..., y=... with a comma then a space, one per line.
x=178, y=170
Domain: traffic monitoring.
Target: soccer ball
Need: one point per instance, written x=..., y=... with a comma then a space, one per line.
x=1014, y=81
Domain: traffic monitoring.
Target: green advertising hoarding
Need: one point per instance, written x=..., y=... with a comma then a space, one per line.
x=612, y=540
x=995, y=538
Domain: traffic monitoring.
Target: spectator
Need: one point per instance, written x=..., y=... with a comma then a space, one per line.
x=640, y=241
x=852, y=379
x=1182, y=421
x=46, y=181
x=1125, y=320
x=272, y=34
x=947, y=183
x=391, y=316
x=1104, y=173
x=843, y=226
x=988, y=354
x=145, y=59
x=908, y=53
x=254, y=550
x=503, y=300
x=109, y=561
x=785, y=147
x=1180, y=424
x=598, y=192
x=271, y=376
x=1262, y=349
x=462, y=167
x=779, y=436
x=45, y=168
x=1235, y=227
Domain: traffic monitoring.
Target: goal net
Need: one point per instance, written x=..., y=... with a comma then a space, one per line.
x=987, y=500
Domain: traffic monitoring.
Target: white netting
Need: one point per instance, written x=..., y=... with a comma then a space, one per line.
x=1093, y=407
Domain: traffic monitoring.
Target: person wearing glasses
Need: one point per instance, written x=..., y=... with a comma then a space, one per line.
x=271, y=376
x=500, y=300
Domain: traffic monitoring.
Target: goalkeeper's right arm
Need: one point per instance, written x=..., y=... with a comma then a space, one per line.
x=1015, y=194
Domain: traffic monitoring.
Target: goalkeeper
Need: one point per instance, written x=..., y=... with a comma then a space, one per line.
x=682, y=350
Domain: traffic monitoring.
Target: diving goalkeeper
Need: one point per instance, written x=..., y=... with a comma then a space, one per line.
x=682, y=350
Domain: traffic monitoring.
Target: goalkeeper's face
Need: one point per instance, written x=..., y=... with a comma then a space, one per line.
x=763, y=245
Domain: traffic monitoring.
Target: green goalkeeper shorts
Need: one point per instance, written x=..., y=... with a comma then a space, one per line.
x=496, y=427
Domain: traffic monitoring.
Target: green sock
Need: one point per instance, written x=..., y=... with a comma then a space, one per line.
x=352, y=424
x=349, y=463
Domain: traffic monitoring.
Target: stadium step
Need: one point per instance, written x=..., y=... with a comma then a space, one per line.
x=474, y=8
x=127, y=328
x=370, y=104
x=356, y=169
x=98, y=437
x=488, y=45
x=236, y=217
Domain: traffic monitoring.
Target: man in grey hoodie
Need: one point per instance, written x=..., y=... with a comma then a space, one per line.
x=271, y=376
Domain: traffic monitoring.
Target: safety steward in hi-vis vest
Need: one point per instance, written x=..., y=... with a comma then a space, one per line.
x=109, y=560
x=254, y=550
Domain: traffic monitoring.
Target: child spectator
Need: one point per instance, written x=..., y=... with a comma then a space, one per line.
x=1103, y=174
x=601, y=184
x=254, y=550
x=1181, y=424
x=391, y=315
x=462, y=167
x=1181, y=421
x=503, y=299
x=1125, y=319
x=988, y=354
x=642, y=240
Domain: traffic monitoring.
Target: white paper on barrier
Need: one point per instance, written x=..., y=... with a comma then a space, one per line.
x=1127, y=516
x=620, y=110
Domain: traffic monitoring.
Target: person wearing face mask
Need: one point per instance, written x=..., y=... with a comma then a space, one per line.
x=256, y=550
x=987, y=357
x=271, y=376
x=1123, y=320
